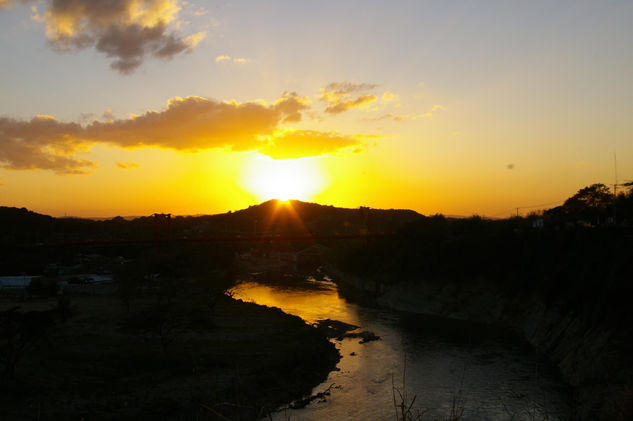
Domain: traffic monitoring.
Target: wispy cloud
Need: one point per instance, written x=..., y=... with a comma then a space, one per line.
x=389, y=96
x=127, y=165
x=128, y=31
x=238, y=60
x=402, y=117
x=359, y=102
x=337, y=95
x=201, y=11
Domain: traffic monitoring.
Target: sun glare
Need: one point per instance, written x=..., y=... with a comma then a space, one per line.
x=283, y=179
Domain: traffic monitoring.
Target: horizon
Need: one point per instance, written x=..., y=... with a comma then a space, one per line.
x=456, y=109
x=130, y=217
x=209, y=214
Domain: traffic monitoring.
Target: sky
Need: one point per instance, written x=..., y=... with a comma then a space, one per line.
x=130, y=107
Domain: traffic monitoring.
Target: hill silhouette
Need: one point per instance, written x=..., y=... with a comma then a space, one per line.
x=24, y=227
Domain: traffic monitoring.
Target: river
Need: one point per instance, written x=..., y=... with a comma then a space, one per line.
x=446, y=365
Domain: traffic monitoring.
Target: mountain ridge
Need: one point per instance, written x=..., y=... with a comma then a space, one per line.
x=22, y=226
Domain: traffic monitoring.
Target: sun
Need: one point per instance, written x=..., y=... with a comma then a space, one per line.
x=283, y=179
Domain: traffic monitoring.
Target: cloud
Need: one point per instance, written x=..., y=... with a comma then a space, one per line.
x=187, y=124
x=337, y=90
x=201, y=11
x=401, y=117
x=291, y=105
x=341, y=106
x=382, y=117
x=128, y=31
x=389, y=96
x=195, y=123
x=42, y=143
x=238, y=60
x=127, y=165
x=194, y=39
x=299, y=143
x=337, y=96
x=6, y=4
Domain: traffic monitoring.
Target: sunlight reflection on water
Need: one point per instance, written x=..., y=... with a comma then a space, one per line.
x=312, y=301
x=493, y=375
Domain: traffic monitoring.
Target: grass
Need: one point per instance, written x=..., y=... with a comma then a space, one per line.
x=253, y=360
x=403, y=402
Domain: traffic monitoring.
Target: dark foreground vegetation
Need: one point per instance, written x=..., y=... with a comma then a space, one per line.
x=163, y=341
x=564, y=273
x=574, y=255
x=251, y=361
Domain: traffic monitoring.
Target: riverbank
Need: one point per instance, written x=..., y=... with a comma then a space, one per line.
x=250, y=361
x=593, y=358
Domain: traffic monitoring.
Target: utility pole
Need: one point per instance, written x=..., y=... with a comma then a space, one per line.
x=615, y=189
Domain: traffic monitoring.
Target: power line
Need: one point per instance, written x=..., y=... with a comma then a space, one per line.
x=517, y=208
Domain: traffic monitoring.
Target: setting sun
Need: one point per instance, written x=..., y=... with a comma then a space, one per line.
x=283, y=179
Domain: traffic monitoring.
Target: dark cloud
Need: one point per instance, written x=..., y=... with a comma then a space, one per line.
x=337, y=95
x=128, y=31
x=191, y=123
x=41, y=143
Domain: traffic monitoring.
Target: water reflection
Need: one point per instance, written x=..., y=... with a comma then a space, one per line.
x=490, y=374
x=309, y=299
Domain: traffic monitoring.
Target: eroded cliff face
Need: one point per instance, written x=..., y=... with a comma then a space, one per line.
x=593, y=357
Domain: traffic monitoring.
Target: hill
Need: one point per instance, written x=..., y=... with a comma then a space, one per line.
x=28, y=239
x=24, y=227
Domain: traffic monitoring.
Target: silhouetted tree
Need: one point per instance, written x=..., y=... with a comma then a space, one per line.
x=590, y=203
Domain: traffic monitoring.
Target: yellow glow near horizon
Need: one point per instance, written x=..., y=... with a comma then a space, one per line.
x=283, y=179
